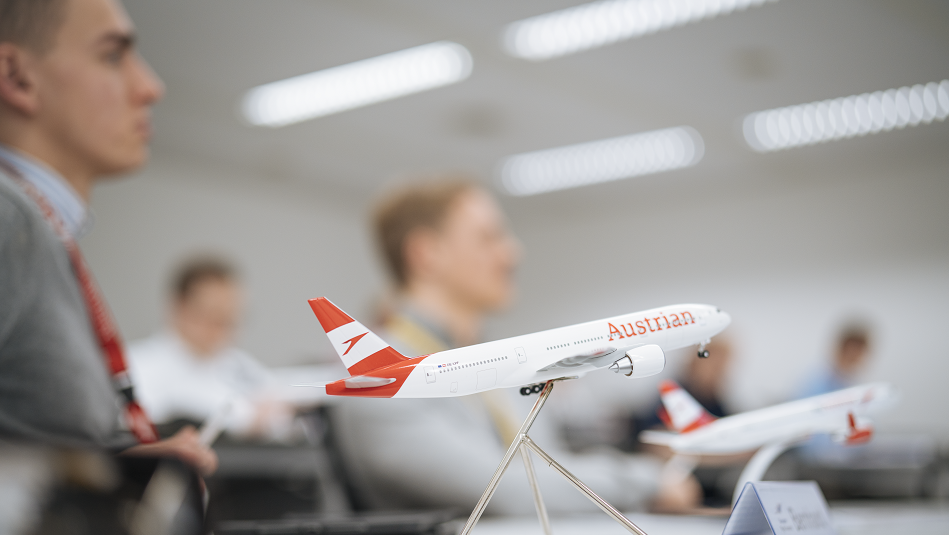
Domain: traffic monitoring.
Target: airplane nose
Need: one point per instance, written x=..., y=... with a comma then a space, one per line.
x=724, y=318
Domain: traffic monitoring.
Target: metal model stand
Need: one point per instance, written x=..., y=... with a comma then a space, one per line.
x=759, y=464
x=523, y=443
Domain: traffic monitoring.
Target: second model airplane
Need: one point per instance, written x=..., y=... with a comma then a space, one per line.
x=633, y=345
x=842, y=414
x=771, y=430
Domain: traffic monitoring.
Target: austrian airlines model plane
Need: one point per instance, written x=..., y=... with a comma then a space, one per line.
x=839, y=413
x=633, y=345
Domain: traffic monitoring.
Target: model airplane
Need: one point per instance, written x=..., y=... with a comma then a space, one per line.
x=841, y=414
x=632, y=345
x=771, y=430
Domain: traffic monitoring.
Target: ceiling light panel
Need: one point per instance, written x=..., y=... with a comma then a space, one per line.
x=845, y=117
x=601, y=23
x=601, y=161
x=357, y=84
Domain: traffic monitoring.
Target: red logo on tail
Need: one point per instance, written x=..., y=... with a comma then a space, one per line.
x=352, y=342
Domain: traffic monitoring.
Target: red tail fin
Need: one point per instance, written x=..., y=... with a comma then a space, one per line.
x=683, y=413
x=359, y=348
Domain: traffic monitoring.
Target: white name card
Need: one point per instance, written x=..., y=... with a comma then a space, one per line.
x=780, y=508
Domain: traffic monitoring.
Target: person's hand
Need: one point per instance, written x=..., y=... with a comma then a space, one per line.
x=185, y=446
x=677, y=495
x=273, y=419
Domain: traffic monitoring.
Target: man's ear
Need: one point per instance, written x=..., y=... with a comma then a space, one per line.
x=18, y=88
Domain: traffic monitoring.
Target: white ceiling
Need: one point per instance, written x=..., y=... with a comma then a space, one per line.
x=707, y=75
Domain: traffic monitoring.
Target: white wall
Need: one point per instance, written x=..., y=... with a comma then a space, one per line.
x=290, y=245
x=788, y=260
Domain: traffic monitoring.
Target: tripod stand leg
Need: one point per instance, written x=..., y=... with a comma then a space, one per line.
x=506, y=461
x=538, y=499
x=600, y=502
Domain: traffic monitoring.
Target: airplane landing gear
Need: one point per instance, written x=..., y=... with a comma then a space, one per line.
x=703, y=353
x=533, y=389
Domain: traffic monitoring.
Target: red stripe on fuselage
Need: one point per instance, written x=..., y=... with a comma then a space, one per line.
x=399, y=371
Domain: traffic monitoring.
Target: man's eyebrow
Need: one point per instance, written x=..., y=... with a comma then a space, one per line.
x=122, y=40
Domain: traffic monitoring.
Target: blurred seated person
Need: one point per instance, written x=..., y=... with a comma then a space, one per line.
x=192, y=371
x=848, y=361
x=704, y=379
x=448, y=249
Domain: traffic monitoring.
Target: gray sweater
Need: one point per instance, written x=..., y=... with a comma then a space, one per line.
x=54, y=386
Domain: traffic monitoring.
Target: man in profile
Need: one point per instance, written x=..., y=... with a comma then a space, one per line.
x=75, y=102
x=452, y=258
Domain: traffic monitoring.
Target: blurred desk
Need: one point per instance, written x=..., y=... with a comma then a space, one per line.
x=259, y=481
x=267, y=460
x=600, y=524
x=872, y=517
x=850, y=518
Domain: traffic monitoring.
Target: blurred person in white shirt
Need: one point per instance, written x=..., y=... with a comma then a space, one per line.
x=193, y=371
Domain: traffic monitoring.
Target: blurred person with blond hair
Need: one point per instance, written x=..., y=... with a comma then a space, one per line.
x=452, y=258
x=192, y=370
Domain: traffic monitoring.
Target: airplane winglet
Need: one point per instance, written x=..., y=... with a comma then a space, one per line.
x=857, y=432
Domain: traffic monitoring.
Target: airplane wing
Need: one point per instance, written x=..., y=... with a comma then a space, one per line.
x=595, y=357
x=661, y=438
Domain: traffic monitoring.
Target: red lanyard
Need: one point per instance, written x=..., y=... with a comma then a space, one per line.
x=102, y=322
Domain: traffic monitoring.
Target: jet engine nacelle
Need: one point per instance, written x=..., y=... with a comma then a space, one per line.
x=642, y=361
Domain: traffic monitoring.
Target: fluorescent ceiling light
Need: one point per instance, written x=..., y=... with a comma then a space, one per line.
x=357, y=84
x=601, y=23
x=856, y=115
x=601, y=161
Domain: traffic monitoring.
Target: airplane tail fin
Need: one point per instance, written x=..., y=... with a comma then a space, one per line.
x=360, y=349
x=679, y=410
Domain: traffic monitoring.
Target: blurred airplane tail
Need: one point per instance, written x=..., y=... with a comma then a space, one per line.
x=360, y=349
x=679, y=410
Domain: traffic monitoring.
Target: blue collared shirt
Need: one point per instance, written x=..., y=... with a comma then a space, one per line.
x=67, y=204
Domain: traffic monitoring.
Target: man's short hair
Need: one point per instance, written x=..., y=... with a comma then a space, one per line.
x=417, y=205
x=198, y=270
x=854, y=332
x=31, y=23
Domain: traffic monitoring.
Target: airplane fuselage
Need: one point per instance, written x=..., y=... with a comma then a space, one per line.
x=534, y=358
